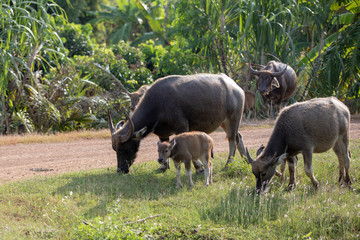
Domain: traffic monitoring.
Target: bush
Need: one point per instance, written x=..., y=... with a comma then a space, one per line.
x=179, y=61
x=153, y=55
x=131, y=54
x=77, y=39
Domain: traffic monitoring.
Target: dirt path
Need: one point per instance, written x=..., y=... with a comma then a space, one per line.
x=22, y=161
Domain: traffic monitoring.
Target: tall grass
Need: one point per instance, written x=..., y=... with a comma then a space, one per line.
x=101, y=204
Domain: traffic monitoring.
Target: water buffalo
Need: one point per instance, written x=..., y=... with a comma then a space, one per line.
x=308, y=127
x=276, y=83
x=176, y=104
x=188, y=147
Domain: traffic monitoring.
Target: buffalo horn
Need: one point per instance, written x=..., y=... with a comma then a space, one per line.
x=278, y=74
x=112, y=130
x=253, y=71
x=127, y=135
x=248, y=157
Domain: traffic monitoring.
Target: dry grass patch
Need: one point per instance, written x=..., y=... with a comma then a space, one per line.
x=50, y=138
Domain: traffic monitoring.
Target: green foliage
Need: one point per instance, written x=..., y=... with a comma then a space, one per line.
x=67, y=102
x=77, y=38
x=80, y=11
x=178, y=61
x=149, y=39
x=121, y=22
x=153, y=54
x=29, y=44
x=132, y=55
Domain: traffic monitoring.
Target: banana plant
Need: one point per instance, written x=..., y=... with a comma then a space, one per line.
x=124, y=20
x=332, y=65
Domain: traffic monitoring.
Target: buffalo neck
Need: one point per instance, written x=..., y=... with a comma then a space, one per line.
x=276, y=144
x=143, y=117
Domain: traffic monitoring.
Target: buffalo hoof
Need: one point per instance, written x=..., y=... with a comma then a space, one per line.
x=119, y=170
x=290, y=187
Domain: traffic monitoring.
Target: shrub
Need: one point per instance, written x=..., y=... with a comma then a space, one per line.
x=77, y=39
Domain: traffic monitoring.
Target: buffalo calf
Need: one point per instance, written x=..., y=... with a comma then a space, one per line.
x=188, y=147
x=249, y=104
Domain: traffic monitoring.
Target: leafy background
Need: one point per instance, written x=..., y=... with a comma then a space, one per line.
x=54, y=52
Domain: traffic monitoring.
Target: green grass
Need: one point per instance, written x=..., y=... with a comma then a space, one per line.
x=101, y=204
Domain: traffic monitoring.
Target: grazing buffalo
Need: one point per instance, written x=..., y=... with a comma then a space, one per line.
x=308, y=127
x=188, y=147
x=276, y=83
x=176, y=104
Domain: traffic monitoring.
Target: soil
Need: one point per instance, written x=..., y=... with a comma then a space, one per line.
x=24, y=161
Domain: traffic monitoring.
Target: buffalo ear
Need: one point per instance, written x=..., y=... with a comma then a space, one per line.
x=139, y=134
x=120, y=124
x=172, y=144
x=275, y=83
x=281, y=159
x=261, y=148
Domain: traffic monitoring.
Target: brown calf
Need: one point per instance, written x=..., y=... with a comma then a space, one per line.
x=188, y=147
x=249, y=103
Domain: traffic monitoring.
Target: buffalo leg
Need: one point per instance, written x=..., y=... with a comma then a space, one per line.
x=230, y=131
x=292, y=171
x=178, y=171
x=205, y=158
x=341, y=149
x=188, y=172
x=240, y=145
x=199, y=167
x=282, y=170
x=308, y=167
x=166, y=163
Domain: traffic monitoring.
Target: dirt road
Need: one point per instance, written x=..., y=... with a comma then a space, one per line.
x=22, y=161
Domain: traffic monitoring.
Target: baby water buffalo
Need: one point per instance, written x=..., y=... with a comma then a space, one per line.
x=309, y=127
x=249, y=104
x=188, y=147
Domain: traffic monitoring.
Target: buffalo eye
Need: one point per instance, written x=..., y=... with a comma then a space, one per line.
x=263, y=174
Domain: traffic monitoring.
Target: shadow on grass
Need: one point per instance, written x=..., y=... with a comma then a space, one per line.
x=106, y=186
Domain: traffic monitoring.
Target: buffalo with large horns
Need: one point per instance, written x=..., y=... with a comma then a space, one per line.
x=176, y=104
x=276, y=82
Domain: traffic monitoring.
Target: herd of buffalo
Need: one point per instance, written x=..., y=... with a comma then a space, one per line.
x=192, y=106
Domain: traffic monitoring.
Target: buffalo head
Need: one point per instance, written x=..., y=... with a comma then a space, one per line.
x=164, y=150
x=125, y=143
x=264, y=168
x=267, y=80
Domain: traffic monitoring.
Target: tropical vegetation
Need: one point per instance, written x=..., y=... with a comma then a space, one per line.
x=64, y=63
